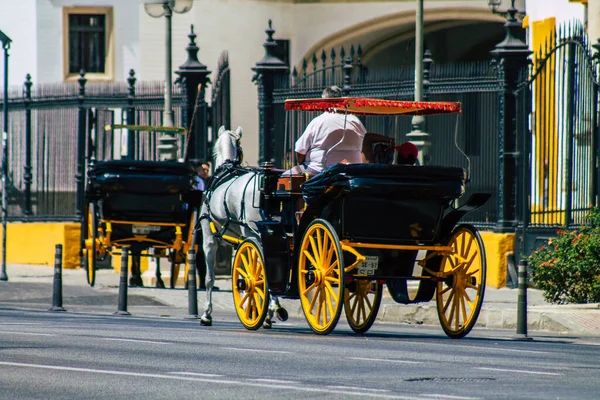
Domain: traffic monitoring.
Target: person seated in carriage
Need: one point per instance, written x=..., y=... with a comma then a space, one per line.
x=329, y=139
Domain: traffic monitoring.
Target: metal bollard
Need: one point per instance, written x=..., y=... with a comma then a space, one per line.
x=122, y=310
x=522, y=302
x=191, y=284
x=57, y=284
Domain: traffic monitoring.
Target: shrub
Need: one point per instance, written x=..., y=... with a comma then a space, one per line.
x=567, y=267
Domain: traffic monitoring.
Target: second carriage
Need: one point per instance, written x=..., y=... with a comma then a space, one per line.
x=143, y=205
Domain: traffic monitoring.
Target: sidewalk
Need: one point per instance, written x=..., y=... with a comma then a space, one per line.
x=30, y=287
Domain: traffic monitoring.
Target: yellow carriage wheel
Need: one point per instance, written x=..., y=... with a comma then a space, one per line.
x=321, y=276
x=91, y=244
x=362, y=299
x=460, y=292
x=249, y=285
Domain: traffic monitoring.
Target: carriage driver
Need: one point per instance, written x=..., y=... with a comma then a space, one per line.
x=325, y=133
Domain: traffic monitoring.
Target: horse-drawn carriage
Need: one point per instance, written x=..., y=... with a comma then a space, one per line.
x=335, y=239
x=140, y=204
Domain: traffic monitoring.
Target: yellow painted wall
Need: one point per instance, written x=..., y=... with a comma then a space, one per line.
x=34, y=243
x=497, y=246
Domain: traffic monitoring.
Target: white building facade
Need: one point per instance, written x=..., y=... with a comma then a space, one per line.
x=43, y=30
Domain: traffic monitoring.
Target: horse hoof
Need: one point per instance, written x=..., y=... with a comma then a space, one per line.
x=205, y=321
x=281, y=314
x=267, y=324
x=160, y=284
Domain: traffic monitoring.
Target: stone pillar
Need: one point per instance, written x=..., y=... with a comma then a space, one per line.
x=194, y=77
x=267, y=71
x=512, y=55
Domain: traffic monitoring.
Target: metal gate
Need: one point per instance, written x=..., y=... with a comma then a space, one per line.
x=558, y=127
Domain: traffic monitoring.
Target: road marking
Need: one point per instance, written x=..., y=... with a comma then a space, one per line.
x=502, y=349
x=519, y=371
x=257, y=350
x=28, y=333
x=22, y=323
x=244, y=383
x=275, y=381
x=447, y=396
x=357, y=388
x=196, y=374
x=384, y=360
x=136, y=340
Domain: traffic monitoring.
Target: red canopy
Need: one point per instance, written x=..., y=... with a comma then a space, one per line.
x=367, y=106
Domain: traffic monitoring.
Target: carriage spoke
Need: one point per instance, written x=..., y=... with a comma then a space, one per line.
x=314, y=253
x=362, y=311
x=257, y=301
x=241, y=272
x=333, y=267
x=353, y=305
x=308, y=289
x=260, y=292
x=448, y=301
x=447, y=289
x=330, y=305
x=330, y=253
x=330, y=289
x=368, y=302
x=452, y=308
x=248, y=309
x=313, y=300
x=244, y=261
x=310, y=258
x=324, y=249
x=320, y=301
x=319, y=246
x=243, y=300
x=469, y=246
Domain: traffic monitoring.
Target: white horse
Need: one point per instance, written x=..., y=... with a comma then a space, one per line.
x=234, y=199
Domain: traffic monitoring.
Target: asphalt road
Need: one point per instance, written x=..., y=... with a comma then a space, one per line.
x=45, y=355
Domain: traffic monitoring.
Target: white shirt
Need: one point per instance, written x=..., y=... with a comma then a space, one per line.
x=323, y=133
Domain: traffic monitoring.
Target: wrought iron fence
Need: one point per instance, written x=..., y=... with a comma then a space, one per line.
x=558, y=124
x=57, y=129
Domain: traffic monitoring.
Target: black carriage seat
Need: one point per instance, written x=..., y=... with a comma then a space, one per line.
x=152, y=191
x=387, y=202
x=449, y=181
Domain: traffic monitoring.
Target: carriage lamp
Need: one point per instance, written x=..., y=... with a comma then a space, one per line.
x=157, y=9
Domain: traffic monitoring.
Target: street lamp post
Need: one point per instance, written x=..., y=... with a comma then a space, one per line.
x=418, y=135
x=167, y=147
x=513, y=55
x=5, y=45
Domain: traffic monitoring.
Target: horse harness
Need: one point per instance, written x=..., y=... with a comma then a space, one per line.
x=230, y=170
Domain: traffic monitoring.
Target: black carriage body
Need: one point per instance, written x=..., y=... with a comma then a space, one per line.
x=387, y=204
x=142, y=193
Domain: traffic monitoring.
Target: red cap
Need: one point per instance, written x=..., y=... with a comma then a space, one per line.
x=407, y=149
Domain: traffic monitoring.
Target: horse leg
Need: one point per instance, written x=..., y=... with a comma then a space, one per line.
x=210, y=249
x=159, y=282
x=136, y=272
x=201, y=266
x=275, y=309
